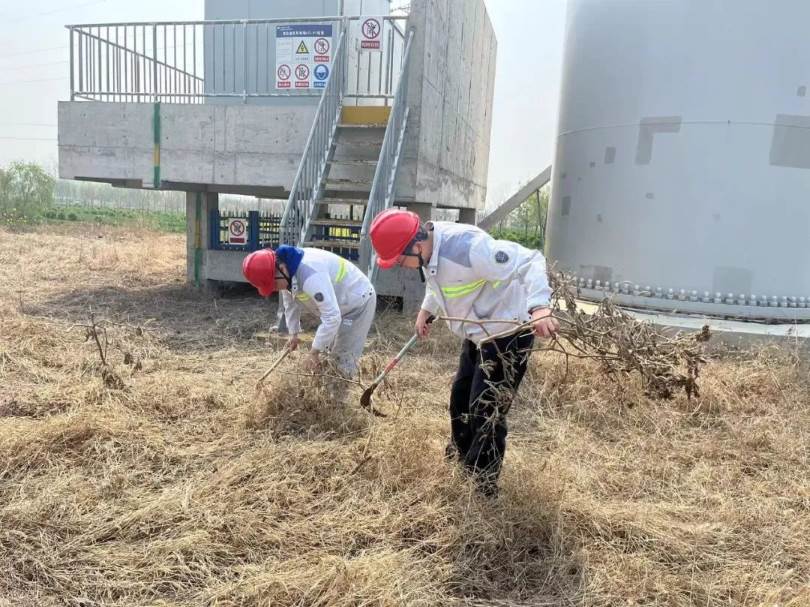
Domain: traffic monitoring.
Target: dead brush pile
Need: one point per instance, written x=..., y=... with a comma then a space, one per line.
x=184, y=486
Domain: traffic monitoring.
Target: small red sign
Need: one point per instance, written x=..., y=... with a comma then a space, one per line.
x=236, y=232
x=371, y=29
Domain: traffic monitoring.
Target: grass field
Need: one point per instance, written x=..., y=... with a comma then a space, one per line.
x=101, y=216
x=174, y=482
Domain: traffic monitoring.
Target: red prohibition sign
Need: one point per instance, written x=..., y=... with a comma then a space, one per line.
x=322, y=46
x=371, y=28
x=237, y=228
x=301, y=72
x=283, y=72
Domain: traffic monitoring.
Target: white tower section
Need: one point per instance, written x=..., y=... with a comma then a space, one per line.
x=682, y=172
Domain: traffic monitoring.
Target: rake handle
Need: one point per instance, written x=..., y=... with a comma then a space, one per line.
x=395, y=361
x=273, y=366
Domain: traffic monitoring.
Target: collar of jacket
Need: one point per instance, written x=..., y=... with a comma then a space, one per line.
x=433, y=265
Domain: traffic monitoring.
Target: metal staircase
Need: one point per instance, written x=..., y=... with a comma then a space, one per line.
x=346, y=188
x=348, y=170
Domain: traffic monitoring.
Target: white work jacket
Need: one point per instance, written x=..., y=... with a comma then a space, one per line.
x=474, y=276
x=330, y=287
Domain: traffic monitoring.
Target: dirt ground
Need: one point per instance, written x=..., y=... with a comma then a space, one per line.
x=166, y=479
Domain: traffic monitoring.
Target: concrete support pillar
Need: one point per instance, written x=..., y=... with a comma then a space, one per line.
x=466, y=216
x=198, y=208
x=423, y=209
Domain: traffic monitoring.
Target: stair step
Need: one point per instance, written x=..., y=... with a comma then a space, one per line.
x=348, y=223
x=350, y=185
x=344, y=125
x=351, y=201
x=333, y=244
x=349, y=140
x=357, y=197
x=365, y=114
x=354, y=162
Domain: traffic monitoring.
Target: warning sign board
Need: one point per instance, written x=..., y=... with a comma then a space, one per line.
x=300, y=49
x=237, y=230
x=371, y=34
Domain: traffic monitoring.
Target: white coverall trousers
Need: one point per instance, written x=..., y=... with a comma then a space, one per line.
x=351, y=338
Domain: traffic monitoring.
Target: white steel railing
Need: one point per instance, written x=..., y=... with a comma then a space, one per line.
x=383, y=188
x=190, y=61
x=306, y=187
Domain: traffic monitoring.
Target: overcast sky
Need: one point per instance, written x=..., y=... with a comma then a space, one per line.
x=34, y=76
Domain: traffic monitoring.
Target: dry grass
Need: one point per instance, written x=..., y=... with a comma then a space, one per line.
x=185, y=487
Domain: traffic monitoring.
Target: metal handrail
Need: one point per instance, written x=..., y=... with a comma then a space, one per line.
x=238, y=21
x=191, y=61
x=383, y=188
x=308, y=181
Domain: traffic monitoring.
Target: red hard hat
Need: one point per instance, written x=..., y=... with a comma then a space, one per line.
x=391, y=232
x=260, y=270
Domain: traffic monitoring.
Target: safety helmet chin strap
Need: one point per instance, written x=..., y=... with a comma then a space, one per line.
x=286, y=276
x=419, y=257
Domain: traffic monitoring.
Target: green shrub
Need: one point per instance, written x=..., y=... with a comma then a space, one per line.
x=26, y=191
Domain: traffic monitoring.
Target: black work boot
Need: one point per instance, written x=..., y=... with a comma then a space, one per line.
x=487, y=486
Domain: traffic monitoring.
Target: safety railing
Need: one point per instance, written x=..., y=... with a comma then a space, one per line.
x=191, y=61
x=306, y=186
x=383, y=187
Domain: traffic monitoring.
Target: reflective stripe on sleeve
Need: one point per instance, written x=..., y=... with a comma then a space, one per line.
x=342, y=270
x=457, y=291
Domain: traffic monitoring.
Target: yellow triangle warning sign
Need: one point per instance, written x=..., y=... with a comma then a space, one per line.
x=302, y=49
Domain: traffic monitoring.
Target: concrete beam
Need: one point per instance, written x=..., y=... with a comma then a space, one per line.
x=250, y=149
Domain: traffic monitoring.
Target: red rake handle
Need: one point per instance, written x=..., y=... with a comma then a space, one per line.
x=395, y=361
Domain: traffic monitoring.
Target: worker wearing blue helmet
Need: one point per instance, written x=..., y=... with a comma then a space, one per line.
x=333, y=289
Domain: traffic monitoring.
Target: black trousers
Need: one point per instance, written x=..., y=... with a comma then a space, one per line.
x=482, y=392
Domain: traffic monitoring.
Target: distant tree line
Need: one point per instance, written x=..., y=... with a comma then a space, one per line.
x=87, y=193
x=527, y=223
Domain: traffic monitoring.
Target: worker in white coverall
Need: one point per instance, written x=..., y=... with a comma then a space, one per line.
x=472, y=276
x=325, y=284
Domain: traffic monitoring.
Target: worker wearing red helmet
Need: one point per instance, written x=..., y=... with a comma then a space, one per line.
x=325, y=284
x=472, y=276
